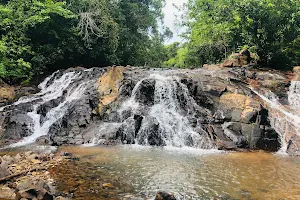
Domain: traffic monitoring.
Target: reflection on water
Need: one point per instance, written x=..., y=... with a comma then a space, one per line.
x=139, y=172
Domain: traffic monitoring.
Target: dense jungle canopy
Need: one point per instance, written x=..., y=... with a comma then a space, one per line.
x=41, y=36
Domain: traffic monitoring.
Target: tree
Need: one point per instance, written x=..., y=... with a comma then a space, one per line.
x=41, y=36
x=20, y=44
x=138, y=24
x=267, y=27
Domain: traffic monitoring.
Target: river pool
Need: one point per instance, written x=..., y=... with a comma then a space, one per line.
x=135, y=172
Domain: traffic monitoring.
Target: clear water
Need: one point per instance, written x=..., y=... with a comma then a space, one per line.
x=187, y=172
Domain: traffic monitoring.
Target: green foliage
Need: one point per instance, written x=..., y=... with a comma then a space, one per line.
x=138, y=19
x=270, y=27
x=41, y=36
x=179, y=59
x=206, y=54
x=292, y=51
x=3, y=51
x=21, y=22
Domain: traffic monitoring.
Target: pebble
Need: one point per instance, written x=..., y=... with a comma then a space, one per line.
x=107, y=185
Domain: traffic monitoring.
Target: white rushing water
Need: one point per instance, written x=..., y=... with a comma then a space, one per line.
x=294, y=94
x=281, y=117
x=51, y=89
x=167, y=111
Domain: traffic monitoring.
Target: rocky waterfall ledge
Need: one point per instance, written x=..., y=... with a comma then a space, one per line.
x=212, y=107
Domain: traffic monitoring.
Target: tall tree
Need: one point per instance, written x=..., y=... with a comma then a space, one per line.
x=21, y=22
x=41, y=36
x=267, y=27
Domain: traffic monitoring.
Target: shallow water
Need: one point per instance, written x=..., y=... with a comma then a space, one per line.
x=139, y=172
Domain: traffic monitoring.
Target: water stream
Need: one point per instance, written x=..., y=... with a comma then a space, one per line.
x=282, y=117
x=138, y=172
x=294, y=94
x=166, y=115
x=52, y=87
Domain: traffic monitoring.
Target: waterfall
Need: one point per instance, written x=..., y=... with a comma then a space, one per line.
x=168, y=118
x=294, y=94
x=282, y=118
x=53, y=87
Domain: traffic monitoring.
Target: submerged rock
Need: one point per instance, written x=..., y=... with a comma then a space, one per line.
x=164, y=196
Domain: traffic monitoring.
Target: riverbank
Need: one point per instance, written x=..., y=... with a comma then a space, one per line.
x=27, y=175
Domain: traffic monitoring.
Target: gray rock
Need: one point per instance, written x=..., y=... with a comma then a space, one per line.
x=7, y=193
x=81, y=122
x=44, y=140
x=252, y=132
x=145, y=92
x=164, y=196
x=232, y=131
x=236, y=115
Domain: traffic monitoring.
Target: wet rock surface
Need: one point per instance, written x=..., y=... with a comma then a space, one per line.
x=164, y=196
x=216, y=103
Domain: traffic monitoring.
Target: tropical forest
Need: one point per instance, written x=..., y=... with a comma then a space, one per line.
x=149, y=99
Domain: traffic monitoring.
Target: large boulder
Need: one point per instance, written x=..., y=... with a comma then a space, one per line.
x=238, y=107
x=246, y=123
x=145, y=92
x=151, y=133
x=129, y=129
x=16, y=125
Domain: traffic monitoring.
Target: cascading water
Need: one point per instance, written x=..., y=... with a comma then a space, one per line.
x=294, y=94
x=284, y=119
x=166, y=114
x=174, y=125
x=52, y=88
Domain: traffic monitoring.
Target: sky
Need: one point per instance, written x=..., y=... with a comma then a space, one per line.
x=170, y=11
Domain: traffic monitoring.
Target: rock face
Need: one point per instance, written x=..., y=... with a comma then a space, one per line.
x=108, y=86
x=7, y=93
x=16, y=123
x=203, y=108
